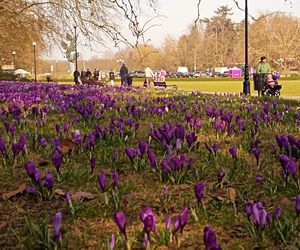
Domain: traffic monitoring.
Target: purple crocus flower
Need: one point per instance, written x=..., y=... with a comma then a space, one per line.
x=92, y=164
x=32, y=172
x=115, y=155
x=233, y=152
x=3, y=147
x=131, y=153
x=277, y=213
x=165, y=165
x=68, y=197
x=57, y=128
x=260, y=179
x=57, y=160
x=210, y=239
x=297, y=205
x=152, y=158
x=256, y=153
x=102, y=181
x=48, y=181
x=215, y=148
x=269, y=217
x=165, y=191
x=143, y=146
x=31, y=190
x=199, y=191
x=43, y=142
x=115, y=179
x=221, y=176
x=120, y=220
x=181, y=220
x=191, y=139
x=112, y=242
x=169, y=223
x=148, y=218
x=57, y=226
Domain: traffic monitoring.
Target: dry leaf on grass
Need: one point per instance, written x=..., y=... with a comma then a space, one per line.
x=19, y=190
x=77, y=196
x=67, y=145
x=231, y=194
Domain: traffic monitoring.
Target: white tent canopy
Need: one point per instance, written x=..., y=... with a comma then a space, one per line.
x=21, y=72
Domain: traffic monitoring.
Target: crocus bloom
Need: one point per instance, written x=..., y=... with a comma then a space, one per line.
x=102, y=181
x=269, y=217
x=221, y=176
x=152, y=158
x=48, y=181
x=256, y=153
x=120, y=220
x=278, y=212
x=57, y=226
x=260, y=179
x=143, y=146
x=169, y=223
x=115, y=179
x=57, y=160
x=210, y=239
x=199, y=191
x=31, y=190
x=92, y=164
x=32, y=172
x=233, y=152
x=43, y=142
x=181, y=220
x=165, y=165
x=112, y=242
x=131, y=153
x=148, y=218
x=298, y=205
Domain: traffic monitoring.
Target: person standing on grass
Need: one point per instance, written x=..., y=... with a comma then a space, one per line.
x=149, y=76
x=76, y=75
x=263, y=66
x=112, y=77
x=162, y=75
x=123, y=74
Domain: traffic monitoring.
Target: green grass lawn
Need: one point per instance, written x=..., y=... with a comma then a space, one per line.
x=290, y=87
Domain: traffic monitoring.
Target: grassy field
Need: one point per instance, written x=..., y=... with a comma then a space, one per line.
x=290, y=87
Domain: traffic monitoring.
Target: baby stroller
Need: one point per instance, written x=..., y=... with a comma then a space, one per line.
x=272, y=86
x=267, y=84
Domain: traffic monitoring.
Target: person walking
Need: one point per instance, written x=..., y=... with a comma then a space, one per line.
x=123, y=74
x=162, y=75
x=149, y=76
x=76, y=75
x=263, y=66
x=112, y=77
x=262, y=70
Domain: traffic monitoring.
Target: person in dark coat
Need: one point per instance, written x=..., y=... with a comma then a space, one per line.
x=123, y=74
x=76, y=75
x=112, y=78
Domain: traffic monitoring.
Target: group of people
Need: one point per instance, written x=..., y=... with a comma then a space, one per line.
x=87, y=76
x=150, y=76
x=271, y=79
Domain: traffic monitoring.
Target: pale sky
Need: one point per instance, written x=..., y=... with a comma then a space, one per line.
x=180, y=14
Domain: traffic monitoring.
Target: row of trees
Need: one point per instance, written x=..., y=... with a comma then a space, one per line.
x=211, y=42
x=219, y=41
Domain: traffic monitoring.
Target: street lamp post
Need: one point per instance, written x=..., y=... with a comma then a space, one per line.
x=34, y=60
x=195, y=60
x=75, y=37
x=14, y=58
x=246, y=84
x=120, y=61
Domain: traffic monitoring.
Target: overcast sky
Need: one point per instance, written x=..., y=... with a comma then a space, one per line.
x=180, y=14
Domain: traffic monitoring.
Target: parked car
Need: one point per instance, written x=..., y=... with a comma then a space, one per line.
x=200, y=74
x=182, y=74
